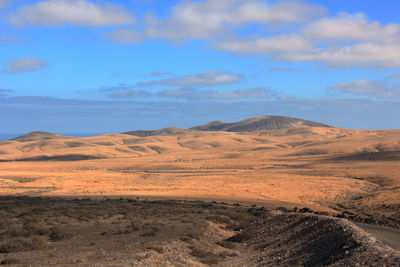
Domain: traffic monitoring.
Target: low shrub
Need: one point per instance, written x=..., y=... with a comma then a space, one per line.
x=57, y=234
x=22, y=244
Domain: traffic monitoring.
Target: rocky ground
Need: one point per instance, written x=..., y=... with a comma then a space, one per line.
x=39, y=231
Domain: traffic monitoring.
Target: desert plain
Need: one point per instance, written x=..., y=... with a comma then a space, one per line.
x=345, y=173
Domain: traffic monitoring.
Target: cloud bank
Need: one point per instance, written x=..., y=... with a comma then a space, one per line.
x=207, y=78
x=378, y=89
x=74, y=12
x=286, y=31
x=188, y=93
x=26, y=64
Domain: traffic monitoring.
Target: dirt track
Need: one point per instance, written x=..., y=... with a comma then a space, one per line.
x=388, y=236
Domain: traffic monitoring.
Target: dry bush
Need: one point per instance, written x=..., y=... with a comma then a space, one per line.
x=17, y=244
x=132, y=227
x=36, y=229
x=156, y=249
x=241, y=237
x=204, y=256
x=57, y=234
x=9, y=261
x=149, y=233
x=227, y=244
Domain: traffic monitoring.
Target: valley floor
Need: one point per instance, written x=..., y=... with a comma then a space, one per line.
x=343, y=173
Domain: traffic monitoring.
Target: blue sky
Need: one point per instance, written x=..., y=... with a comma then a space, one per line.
x=80, y=66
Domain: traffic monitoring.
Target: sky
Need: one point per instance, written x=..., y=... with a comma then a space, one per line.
x=81, y=66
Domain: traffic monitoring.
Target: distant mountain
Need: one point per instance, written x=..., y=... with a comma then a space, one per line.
x=247, y=125
x=258, y=124
x=165, y=131
x=34, y=136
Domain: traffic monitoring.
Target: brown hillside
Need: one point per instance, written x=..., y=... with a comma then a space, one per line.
x=258, y=124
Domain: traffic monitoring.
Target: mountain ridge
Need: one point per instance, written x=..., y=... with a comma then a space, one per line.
x=258, y=124
x=37, y=135
x=252, y=124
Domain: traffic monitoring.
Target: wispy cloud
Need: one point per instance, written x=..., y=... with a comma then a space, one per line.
x=394, y=76
x=208, y=78
x=50, y=101
x=239, y=94
x=10, y=39
x=379, y=89
x=124, y=36
x=4, y=3
x=160, y=73
x=26, y=64
x=119, y=87
x=4, y=92
x=284, y=69
x=74, y=12
x=131, y=94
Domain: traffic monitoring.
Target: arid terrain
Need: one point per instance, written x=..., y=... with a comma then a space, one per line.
x=271, y=162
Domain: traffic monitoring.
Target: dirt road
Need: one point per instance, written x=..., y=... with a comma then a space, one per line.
x=388, y=236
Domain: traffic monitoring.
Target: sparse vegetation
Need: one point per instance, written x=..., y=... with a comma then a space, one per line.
x=206, y=257
x=41, y=223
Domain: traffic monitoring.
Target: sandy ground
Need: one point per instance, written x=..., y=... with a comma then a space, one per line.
x=341, y=171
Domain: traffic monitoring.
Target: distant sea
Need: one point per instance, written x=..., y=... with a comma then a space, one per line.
x=7, y=136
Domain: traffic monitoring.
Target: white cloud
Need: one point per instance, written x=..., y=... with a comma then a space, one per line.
x=131, y=94
x=282, y=12
x=346, y=27
x=75, y=12
x=362, y=54
x=26, y=64
x=125, y=36
x=365, y=43
x=201, y=20
x=342, y=40
x=181, y=93
x=265, y=46
x=379, y=89
x=189, y=93
x=208, y=78
x=348, y=40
